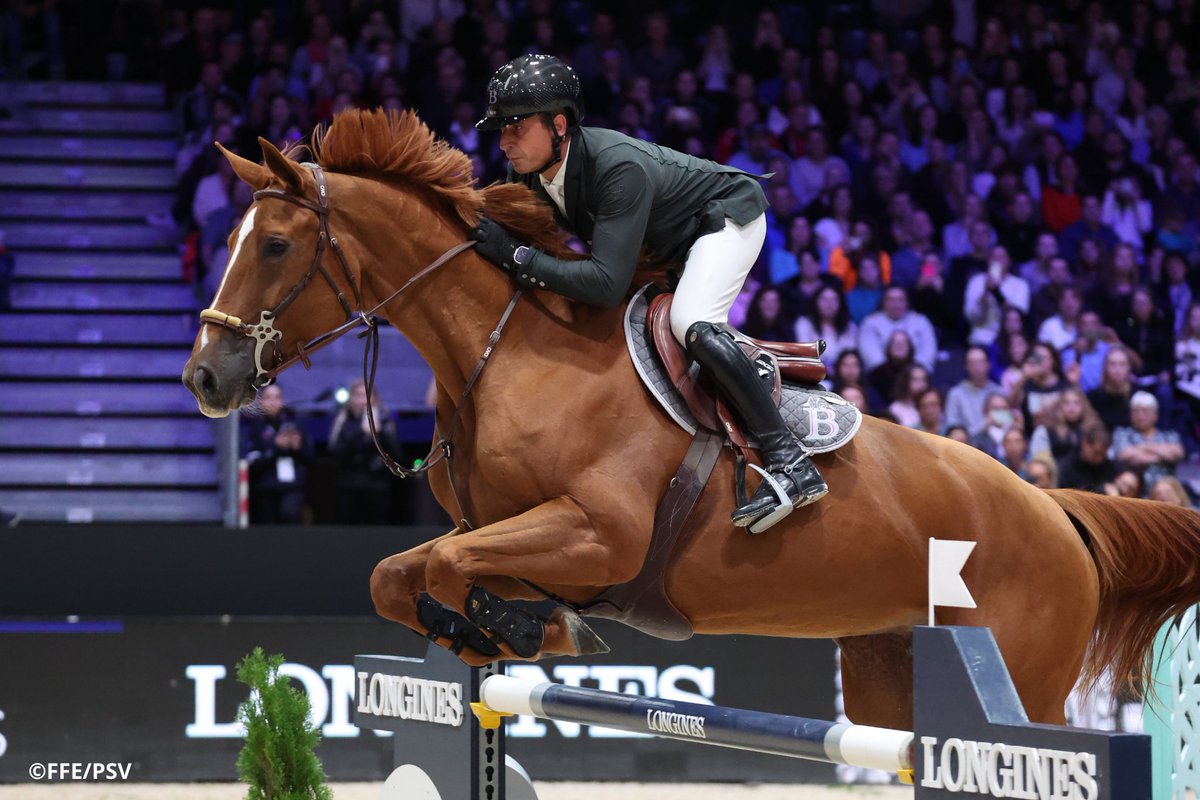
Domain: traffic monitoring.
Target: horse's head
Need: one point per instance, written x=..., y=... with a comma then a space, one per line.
x=261, y=311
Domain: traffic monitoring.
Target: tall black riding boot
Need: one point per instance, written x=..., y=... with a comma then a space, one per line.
x=790, y=479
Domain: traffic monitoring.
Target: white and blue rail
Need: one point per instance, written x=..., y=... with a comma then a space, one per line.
x=759, y=731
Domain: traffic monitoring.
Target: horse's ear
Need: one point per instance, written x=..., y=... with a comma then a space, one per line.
x=255, y=175
x=283, y=167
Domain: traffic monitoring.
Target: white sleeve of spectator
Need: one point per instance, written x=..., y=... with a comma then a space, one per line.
x=871, y=342
x=804, y=330
x=1033, y=183
x=954, y=415
x=924, y=341
x=1040, y=442
x=975, y=300
x=1145, y=216
x=1016, y=292
x=1109, y=212
x=1044, y=335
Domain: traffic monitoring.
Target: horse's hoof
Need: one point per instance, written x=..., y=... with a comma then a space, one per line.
x=583, y=638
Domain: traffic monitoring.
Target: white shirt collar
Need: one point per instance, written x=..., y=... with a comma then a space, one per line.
x=557, y=187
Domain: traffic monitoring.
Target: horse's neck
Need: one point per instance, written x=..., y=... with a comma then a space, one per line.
x=446, y=315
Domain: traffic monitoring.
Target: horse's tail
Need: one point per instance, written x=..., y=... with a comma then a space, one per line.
x=1147, y=555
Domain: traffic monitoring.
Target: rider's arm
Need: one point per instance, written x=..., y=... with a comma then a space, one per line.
x=602, y=278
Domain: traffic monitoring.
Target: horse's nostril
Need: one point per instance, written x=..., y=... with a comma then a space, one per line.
x=204, y=380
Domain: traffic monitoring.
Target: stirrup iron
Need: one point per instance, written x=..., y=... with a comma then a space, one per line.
x=785, y=507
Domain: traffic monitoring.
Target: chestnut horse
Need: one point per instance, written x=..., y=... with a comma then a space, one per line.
x=561, y=455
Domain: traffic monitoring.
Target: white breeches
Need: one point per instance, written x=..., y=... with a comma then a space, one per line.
x=716, y=267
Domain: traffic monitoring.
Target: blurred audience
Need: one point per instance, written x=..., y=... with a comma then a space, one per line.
x=1015, y=212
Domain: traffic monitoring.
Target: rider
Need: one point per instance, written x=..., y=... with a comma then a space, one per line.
x=618, y=193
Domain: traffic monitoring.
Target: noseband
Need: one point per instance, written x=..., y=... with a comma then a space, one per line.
x=264, y=331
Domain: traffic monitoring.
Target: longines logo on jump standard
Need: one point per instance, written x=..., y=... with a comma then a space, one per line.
x=1008, y=770
x=439, y=702
x=678, y=724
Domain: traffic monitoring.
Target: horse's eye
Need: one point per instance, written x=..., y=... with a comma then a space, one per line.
x=276, y=247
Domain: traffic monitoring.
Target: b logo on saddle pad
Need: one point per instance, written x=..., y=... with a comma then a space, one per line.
x=822, y=420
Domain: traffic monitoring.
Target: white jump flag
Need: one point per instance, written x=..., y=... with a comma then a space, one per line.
x=946, y=587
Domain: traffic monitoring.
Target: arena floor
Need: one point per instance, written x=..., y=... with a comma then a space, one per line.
x=546, y=791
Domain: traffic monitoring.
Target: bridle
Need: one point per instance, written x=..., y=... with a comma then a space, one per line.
x=264, y=331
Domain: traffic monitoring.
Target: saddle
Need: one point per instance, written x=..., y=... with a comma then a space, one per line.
x=796, y=362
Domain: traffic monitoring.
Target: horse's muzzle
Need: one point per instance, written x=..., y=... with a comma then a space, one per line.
x=217, y=392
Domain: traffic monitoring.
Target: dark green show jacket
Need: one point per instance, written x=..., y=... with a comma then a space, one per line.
x=622, y=193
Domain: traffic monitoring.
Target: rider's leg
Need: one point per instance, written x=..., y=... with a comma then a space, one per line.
x=716, y=268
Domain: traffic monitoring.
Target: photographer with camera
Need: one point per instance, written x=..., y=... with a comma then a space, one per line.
x=364, y=484
x=279, y=454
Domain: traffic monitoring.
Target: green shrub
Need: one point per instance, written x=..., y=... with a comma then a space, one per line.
x=277, y=761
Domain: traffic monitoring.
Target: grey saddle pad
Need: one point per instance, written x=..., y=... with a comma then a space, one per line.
x=822, y=420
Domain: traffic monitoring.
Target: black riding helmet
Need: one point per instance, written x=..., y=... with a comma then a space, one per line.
x=529, y=85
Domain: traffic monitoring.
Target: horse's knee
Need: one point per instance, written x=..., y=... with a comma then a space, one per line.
x=392, y=588
x=443, y=573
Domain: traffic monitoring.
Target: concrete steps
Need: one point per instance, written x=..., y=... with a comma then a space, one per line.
x=95, y=399
x=91, y=362
x=105, y=433
x=122, y=236
x=82, y=505
x=79, y=148
x=91, y=120
x=95, y=425
x=18, y=174
x=139, y=95
x=98, y=267
x=100, y=328
x=97, y=206
x=70, y=469
x=37, y=295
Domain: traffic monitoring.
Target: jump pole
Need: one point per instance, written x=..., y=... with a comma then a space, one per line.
x=759, y=731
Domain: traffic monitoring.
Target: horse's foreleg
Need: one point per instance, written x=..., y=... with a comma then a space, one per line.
x=398, y=591
x=877, y=676
x=552, y=544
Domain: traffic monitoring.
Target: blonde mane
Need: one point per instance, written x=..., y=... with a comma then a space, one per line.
x=398, y=147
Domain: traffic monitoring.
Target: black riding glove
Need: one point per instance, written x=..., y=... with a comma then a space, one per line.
x=496, y=244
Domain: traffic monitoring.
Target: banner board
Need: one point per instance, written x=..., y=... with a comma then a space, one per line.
x=160, y=696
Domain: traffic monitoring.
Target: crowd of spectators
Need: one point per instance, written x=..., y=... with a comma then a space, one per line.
x=989, y=211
